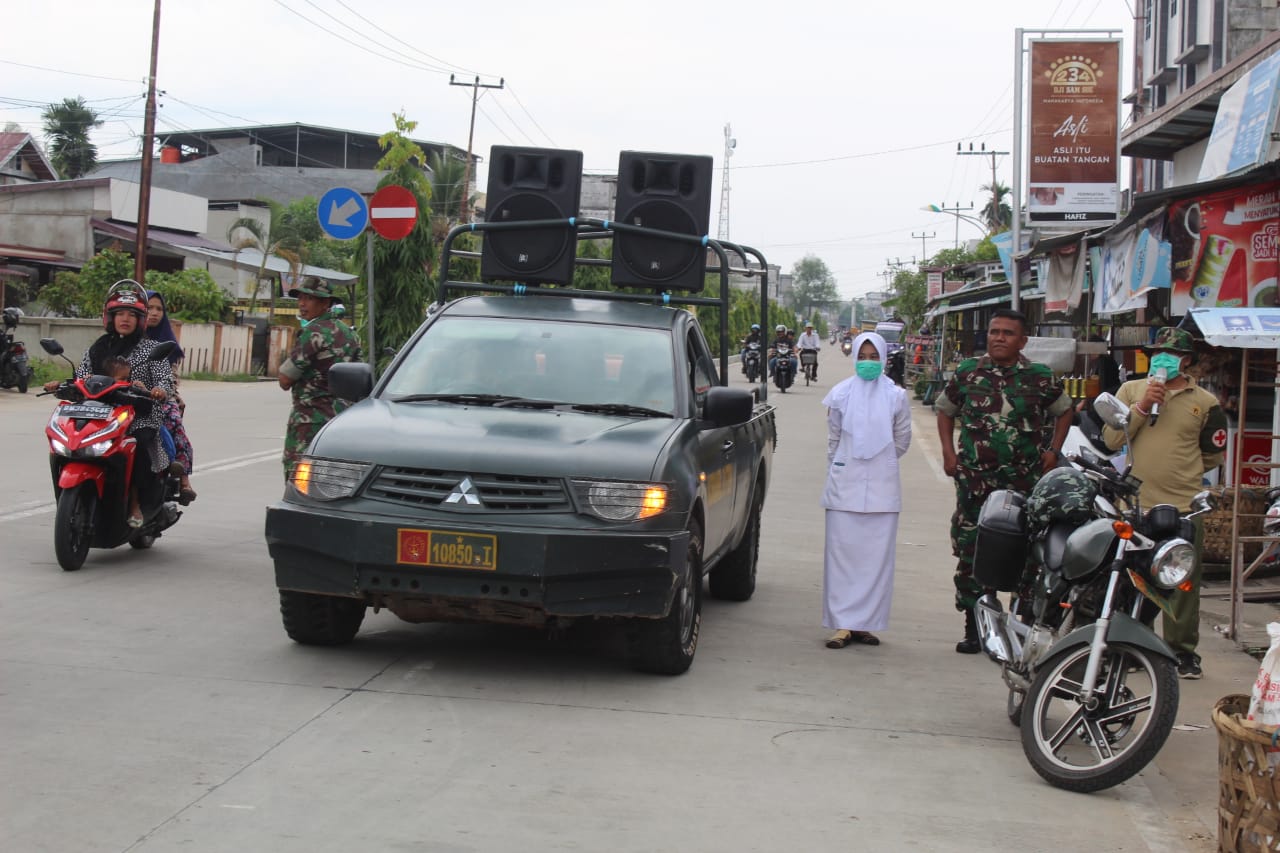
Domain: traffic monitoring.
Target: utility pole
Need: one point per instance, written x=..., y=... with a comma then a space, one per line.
x=955, y=211
x=983, y=152
x=476, y=86
x=144, y=177
x=924, y=247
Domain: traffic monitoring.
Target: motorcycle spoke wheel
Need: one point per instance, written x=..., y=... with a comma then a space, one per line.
x=1088, y=747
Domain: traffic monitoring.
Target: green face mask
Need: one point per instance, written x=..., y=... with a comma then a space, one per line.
x=868, y=369
x=1168, y=361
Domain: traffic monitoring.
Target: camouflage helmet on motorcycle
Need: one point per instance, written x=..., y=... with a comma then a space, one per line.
x=1064, y=494
x=124, y=295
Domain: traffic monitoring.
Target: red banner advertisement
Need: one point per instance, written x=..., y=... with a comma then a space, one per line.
x=1224, y=249
x=1074, y=141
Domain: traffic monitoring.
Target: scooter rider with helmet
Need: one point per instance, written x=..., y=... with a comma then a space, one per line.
x=124, y=320
x=753, y=337
x=781, y=335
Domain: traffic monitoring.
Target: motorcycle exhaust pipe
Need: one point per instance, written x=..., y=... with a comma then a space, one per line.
x=992, y=621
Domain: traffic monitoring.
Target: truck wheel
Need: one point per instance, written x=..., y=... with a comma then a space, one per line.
x=666, y=646
x=320, y=620
x=734, y=579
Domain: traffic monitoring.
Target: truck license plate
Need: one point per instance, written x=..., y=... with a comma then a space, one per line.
x=447, y=549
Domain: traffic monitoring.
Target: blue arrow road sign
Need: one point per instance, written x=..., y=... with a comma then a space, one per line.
x=343, y=213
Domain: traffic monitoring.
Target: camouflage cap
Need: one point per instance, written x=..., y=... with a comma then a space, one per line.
x=315, y=286
x=1171, y=339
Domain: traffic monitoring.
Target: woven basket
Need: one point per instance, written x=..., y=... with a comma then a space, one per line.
x=1248, y=789
x=1217, y=525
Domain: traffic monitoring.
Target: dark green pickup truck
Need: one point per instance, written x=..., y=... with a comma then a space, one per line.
x=534, y=460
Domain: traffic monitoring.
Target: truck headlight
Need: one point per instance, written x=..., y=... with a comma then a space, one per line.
x=621, y=501
x=1172, y=563
x=328, y=479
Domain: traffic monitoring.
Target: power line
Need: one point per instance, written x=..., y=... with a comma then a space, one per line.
x=513, y=94
x=72, y=73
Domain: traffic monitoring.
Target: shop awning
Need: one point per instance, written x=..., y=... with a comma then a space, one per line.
x=251, y=259
x=156, y=236
x=1250, y=328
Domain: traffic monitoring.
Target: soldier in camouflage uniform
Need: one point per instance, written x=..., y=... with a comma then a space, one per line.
x=1013, y=418
x=322, y=341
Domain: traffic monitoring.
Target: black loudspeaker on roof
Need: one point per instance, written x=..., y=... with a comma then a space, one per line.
x=668, y=192
x=531, y=184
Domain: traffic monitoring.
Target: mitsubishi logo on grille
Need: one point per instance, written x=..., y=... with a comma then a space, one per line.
x=464, y=492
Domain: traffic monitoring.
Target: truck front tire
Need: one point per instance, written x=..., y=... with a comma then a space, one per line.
x=320, y=620
x=666, y=646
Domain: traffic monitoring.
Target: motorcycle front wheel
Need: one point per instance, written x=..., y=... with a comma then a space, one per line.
x=1086, y=748
x=73, y=526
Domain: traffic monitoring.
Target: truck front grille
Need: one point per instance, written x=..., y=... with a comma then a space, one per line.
x=496, y=492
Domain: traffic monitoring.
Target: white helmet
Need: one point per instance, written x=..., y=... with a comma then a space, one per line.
x=779, y=328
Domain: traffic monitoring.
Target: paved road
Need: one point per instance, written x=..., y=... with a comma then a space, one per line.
x=151, y=701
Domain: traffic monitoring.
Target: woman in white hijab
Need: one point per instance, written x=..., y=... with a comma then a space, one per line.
x=868, y=429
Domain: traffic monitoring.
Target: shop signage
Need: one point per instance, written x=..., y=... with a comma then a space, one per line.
x=1241, y=137
x=1074, y=137
x=1224, y=249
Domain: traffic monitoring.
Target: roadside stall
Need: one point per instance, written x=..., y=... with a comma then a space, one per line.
x=1243, y=375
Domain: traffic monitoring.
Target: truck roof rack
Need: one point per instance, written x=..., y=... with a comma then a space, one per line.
x=602, y=229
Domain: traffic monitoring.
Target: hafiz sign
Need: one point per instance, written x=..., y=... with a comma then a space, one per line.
x=1074, y=169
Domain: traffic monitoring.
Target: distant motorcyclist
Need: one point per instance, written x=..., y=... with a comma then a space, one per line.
x=780, y=336
x=810, y=342
x=753, y=337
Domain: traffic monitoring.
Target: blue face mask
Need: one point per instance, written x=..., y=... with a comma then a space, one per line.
x=1168, y=361
x=868, y=369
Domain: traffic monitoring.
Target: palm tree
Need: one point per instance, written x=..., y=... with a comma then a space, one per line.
x=254, y=235
x=447, y=174
x=67, y=126
x=997, y=213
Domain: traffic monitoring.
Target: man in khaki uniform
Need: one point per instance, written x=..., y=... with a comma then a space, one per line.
x=1171, y=448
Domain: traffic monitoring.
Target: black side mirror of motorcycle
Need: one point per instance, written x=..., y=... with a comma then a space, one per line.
x=161, y=351
x=51, y=346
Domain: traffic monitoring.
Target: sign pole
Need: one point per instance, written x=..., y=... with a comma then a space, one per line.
x=368, y=314
x=1015, y=285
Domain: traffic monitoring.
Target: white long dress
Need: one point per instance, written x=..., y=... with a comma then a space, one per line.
x=862, y=497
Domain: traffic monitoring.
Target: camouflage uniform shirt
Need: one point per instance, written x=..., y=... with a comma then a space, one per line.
x=322, y=343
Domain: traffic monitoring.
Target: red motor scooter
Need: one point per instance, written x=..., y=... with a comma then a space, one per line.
x=91, y=459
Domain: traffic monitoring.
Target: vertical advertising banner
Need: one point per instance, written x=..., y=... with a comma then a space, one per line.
x=933, y=284
x=1074, y=147
x=1225, y=249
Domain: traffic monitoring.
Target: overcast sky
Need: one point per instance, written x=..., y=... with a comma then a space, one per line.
x=846, y=114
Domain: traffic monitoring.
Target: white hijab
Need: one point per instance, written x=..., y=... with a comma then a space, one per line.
x=867, y=407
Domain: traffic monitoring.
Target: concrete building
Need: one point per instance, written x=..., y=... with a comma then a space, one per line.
x=282, y=163
x=1187, y=56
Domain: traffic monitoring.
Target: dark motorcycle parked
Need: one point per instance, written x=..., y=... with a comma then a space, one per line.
x=1092, y=687
x=895, y=366
x=15, y=368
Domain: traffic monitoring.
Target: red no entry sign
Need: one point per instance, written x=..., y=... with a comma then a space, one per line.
x=392, y=212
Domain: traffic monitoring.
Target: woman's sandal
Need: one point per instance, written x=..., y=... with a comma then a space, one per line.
x=840, y=639
x=134, y=520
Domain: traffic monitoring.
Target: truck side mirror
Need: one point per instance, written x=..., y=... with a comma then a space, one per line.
x=351, y=380
x=727, y=407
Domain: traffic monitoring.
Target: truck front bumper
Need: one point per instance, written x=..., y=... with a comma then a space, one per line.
x=555, y=572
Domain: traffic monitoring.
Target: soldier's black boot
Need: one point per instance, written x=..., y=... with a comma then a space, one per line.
x=969, y=645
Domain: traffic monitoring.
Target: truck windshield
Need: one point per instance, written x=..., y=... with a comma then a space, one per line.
x=572, y=363
x=891, y=334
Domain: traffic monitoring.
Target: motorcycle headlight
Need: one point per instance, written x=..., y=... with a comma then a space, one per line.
x=58, y=447
x=621, y=501
x=328, y=479
x=98, y=448
x=1172, y=563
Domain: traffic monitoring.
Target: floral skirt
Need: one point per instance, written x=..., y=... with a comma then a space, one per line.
x=172, y=419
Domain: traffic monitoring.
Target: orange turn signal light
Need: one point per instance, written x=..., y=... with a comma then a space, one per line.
x=1186, y=586
x=1123, y=529
x=302, y=477
x=653, y=502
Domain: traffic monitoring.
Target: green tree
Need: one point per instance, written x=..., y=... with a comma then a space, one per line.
x=909, y=296
x=191, y=295
x=81, y=294
x=814, y=286
x=401, y=268
x=273, y=238
x=997, y=213
x=67, y=126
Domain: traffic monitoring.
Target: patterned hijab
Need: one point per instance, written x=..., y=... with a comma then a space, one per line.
x=867, y=406
x=163, y=330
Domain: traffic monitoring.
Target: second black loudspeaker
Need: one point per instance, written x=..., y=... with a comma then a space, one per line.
x=530, y=184
x=669, y=192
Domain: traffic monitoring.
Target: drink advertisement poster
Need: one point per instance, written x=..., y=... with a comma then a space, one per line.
x=1074, y=143
x=1224, y=249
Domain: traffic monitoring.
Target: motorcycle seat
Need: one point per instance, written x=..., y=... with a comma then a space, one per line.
x=1055, y=544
